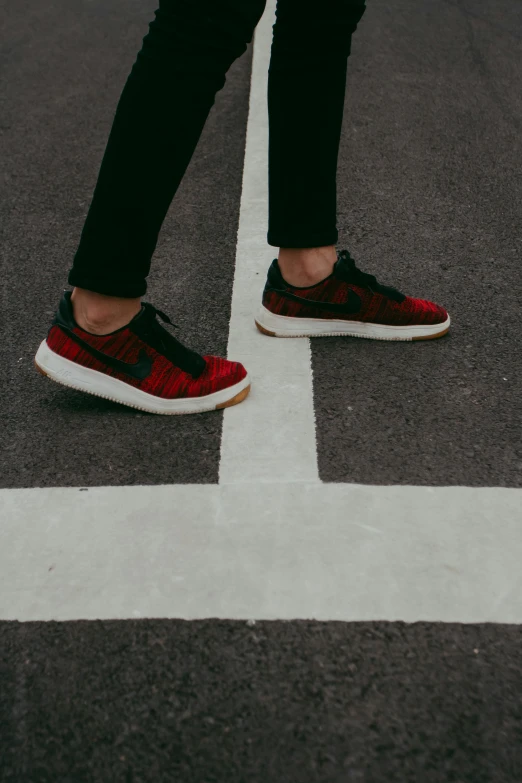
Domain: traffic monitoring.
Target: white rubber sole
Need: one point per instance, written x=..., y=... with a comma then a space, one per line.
x=285, y=326
x=68, y=373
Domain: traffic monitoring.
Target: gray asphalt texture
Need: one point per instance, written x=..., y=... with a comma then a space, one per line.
x=289, y=702
x=430, y=194
x=64, y=65
x=430, y=201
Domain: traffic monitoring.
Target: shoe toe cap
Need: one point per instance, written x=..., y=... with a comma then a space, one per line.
x=223, y=373
x=439, y=314
x=425, y=312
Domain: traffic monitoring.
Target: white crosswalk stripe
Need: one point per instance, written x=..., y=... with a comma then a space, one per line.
x=273, y=437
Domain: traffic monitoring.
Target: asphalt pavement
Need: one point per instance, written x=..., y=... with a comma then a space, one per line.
x=65, y=66
x=289, y=702
x=430, y=194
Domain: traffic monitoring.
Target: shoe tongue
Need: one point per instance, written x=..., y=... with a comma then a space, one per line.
x=146, y=313
x=138, y=314
x=344, y=267
x=338, y=265
x=154, y=334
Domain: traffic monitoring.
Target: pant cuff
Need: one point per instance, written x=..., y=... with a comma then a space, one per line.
x=127, y=289
x=302, y=239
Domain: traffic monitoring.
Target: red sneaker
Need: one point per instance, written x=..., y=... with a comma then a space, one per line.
x=348, y=302
x=141, y=365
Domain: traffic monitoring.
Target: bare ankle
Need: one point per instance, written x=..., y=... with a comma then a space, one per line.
x=306, y=266
x=102, y=314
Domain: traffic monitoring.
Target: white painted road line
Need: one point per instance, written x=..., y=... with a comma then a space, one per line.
x=329, y=552
x=271, y=436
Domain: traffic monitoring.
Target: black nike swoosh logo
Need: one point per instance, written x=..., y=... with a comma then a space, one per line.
x=352, y=304
x=139, y=370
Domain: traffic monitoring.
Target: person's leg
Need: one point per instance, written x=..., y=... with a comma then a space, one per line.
x=159, y=119
x=311, y=289
x=306, y=90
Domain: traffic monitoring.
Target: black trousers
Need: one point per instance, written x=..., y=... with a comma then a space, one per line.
x=162, y=110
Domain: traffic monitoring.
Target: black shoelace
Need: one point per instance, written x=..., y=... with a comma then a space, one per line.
x=347, y=270
x=149, y=329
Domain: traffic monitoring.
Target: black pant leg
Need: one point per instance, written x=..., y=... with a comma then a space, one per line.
x=159, y=119
x=306, y=89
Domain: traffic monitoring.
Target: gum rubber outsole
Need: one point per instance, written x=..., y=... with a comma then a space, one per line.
x=239, y=397
x=348, y=334
x=274, y=325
